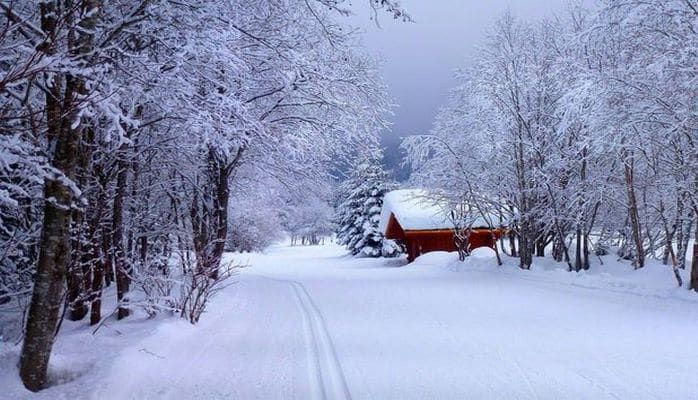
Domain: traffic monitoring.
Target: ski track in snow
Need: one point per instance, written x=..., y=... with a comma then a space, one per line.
x=327, y=378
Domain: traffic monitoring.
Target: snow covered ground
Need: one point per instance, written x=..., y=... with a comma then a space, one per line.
x=312, y=323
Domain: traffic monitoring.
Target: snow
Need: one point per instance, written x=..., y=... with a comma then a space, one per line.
x=312, y=323
x=414, y=210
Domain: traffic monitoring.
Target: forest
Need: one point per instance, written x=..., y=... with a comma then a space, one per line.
x=129, y=128
x=577, y=132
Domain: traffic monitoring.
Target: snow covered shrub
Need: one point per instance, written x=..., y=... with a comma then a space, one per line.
x=158, y=279
x=252, y=228
x=358, y=214
x=391, y=248
x=601, y=249
x=199, y=286
x=177, y=283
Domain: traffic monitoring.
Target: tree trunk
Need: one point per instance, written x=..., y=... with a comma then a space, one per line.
x=560, y=250
x=108, y=256
x=79, y=270
x=54, y=257
x=540, y=245
x=694, y=267
x=525, y=253
x=221, y=216
x=460, y=239
x=585, y=251
x=209, y=214
x=578, y=250
x=96, y=292
x=512, y=243
x=694, y=262
x=634, y=215
x=526, y=246
x=54, y=252
x=557, y=249
x=495, y=248
x=75, y=279
x=683, y=237
x=118, y=255
x=99, y=251
x=668, y=248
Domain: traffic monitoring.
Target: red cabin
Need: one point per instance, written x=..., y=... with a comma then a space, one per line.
x=423, y=226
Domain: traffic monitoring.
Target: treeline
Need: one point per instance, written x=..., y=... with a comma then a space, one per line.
x=127, y=126
x=581, y=126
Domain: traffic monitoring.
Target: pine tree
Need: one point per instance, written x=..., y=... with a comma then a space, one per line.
x=358, y=215
x=348, y=211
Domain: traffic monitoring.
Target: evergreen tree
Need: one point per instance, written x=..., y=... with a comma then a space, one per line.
x=358, y=214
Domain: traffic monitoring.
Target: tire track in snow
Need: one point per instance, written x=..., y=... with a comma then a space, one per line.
x=596, y=384
x=326, y=375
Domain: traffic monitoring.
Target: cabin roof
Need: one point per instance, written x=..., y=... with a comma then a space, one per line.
x=414, y=210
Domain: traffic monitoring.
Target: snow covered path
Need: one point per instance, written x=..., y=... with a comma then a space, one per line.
x=312, y=323
x=424, y=331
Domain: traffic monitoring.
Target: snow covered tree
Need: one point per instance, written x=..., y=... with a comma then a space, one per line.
x=141, y=120
x=358, y=214
x=348, y=211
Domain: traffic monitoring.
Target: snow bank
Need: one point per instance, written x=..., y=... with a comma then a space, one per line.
x=81, y=361
x=480, y=259
x=654, y=281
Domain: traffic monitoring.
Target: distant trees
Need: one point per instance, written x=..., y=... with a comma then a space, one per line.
x=358, y=213
x=309, y=222
x=126, y=128
x=254, y=222
x=583, y=126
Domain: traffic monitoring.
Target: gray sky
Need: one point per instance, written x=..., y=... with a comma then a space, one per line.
x=420, y=58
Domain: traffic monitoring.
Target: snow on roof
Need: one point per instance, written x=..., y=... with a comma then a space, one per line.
x=414, y=210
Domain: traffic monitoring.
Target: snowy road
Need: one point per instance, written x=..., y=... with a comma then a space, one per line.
x=311, y=323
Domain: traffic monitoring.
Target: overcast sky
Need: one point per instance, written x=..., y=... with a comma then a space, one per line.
x=420, y=58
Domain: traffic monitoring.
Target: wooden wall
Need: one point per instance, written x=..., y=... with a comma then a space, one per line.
x=420, y=242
